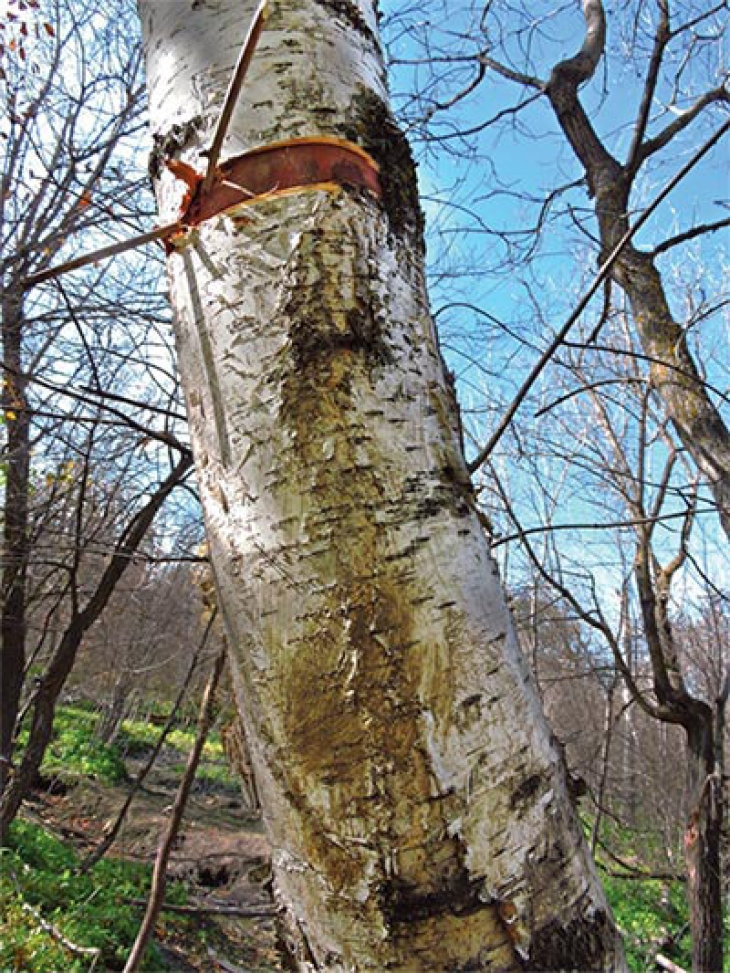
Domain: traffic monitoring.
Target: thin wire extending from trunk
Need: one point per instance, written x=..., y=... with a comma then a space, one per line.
x=234, y=90
x=163, y=232
x=159, y=233
x=159, y=875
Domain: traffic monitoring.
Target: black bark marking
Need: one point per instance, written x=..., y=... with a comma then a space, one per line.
x=166, y=146
x=525, y=791
x=314, y=331
x=350, y=14
x=374, y=128
x=458, y=895
x=577, y=945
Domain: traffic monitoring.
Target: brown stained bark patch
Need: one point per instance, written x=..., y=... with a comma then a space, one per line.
x=338, y=715
x=360, y=748
x=353, y=676
x=350, y=710
x=577, y=945
x=374, y=128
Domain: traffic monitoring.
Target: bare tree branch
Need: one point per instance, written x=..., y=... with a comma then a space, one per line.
x=661, y=39
x=686, y=118
x=699, y=230
x=605, y=269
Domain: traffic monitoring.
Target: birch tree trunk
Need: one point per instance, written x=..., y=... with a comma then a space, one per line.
x=414, y=800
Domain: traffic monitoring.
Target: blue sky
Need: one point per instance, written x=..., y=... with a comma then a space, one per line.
x=498, y=180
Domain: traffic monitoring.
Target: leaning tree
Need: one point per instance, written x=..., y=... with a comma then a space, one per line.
x=414, y=798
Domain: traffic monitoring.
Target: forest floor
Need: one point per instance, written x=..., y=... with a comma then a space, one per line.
x=221, y=857
x=56, y=918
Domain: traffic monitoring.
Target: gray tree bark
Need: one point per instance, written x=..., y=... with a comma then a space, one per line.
x=415, y=803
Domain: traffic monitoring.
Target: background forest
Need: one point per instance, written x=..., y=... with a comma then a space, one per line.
x=604, y=492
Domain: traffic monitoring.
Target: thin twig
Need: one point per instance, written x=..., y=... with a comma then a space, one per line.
x=159, y=233
x=159, y=875
x=234, y=90
x=690, y=234
x=633, y=872
x=602, y=274
x=105, y=844
x=59, y=937
x=609, y=525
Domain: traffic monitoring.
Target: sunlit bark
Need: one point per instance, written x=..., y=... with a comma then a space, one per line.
x=414, y=799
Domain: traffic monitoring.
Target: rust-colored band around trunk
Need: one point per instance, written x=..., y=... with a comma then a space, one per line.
x=277, y=168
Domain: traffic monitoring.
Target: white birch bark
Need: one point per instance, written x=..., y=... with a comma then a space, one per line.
x=414, y=800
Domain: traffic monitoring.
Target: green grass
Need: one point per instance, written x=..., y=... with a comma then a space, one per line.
x=41, y=888
x=137, y=737
x=39, y=872
x=653, y=915
x=75, y=751
x=649, y=913
x=38, y=880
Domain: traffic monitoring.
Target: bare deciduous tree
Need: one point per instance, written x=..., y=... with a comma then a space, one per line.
x=91, y=426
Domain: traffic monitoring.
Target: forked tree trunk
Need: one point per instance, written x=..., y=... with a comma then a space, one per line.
x=674, y=373
x=414, y=800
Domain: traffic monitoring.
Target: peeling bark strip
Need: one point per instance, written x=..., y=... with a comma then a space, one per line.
x=414, y=800
x=273, y=169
